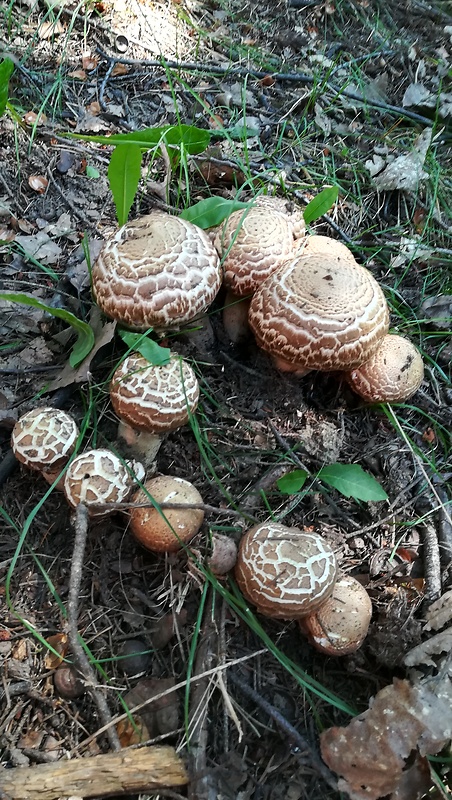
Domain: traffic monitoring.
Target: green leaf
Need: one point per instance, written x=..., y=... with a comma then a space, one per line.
x=85, y=334
x=149, y=349
x=292, y=482
x=320, y=204
x=351, y=481
x=194, y=140
x=91, y=172
x=6, y=70
x=211, y=211
x=124, y=171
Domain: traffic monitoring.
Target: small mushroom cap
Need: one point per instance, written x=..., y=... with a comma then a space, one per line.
x=152, y=398
x=99, y=476
x=158, y=271
x=165, y=531
x=391, y=375
x=255, y=242
x=44, y=438
x=340, y=625
x=285, y=572
x=320, y=311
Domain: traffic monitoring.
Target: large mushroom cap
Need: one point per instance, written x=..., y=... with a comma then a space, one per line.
x=166, y=530
x=255, y=242
x=44, y=438
x=320, y=311
x=283, y=571
x=158, y=271
x=391, y=375
x=154, y=398
x=99, y=476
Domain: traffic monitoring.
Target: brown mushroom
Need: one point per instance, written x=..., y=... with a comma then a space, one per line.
x=100, y=477
x=391, y=375
x=44, y=439
x=152, y=400
x=321, y=310
x=285, y=572
x=254, y=242
x=158, y=271
x=166, y=530
x=340, y=625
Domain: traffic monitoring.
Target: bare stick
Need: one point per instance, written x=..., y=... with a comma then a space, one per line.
x=80, y=659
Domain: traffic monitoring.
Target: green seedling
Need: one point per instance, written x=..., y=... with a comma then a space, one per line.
x=349, y=480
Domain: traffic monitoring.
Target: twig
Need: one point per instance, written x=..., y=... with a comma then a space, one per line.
x=432, y=565
x=80, y=659
x=293, y=735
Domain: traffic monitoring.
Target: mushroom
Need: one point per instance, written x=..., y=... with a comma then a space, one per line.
x=152, y=400
x=321, y=310
x=166, y=530
x=391, y=375
x=100, y=477
x=254, y=243
x=44, y=439
x=340, y=625
x=285, y=572
x=159, y=271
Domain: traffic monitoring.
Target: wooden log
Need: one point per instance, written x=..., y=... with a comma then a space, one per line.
x=125, y=772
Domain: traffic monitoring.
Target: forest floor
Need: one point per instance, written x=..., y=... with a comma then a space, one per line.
x=296, y=96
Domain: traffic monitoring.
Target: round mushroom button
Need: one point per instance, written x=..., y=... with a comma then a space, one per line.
x=393, y=374
x=44, y=438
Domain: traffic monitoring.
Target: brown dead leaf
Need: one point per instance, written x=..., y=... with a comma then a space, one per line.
x=103, y=335
x=371, y=753
x=440, y=612
x=78, y=74
x=59, y=642
x=38, y=183
x=132, y=731
x=89, y=61
x=120, y=69
x=48, y=29
x=94, y=108
x=160, y=716
x=31, y=118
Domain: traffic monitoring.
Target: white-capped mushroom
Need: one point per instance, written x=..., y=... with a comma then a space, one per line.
x=321, y=310
x=168, y=529
x=285, y=572
x=99, y=477
x=340, y=625
x=391, y=375
x=158, y=271
x=44, y=439
x=152, y=400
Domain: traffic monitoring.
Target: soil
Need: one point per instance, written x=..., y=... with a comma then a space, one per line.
x=254, y=424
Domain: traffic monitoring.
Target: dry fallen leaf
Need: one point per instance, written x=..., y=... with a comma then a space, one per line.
x=38, y=183
x=404, y=172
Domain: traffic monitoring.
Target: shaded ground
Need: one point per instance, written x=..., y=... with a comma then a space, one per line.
x=295, y=135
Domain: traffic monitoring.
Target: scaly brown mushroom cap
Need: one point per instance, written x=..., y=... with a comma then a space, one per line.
x=165, y=531
x=393, y=374
x=283, y=571
x=98, y=476
x=154, y=398
x=44, y=439
x=158, y=271
x=255, y=242
x=340, y=625
x=320, y=311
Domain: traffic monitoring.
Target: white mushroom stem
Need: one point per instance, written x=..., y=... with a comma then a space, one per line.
x=235, y=317
x=140, y=444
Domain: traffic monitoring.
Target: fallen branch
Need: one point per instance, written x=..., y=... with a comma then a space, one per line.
x=126, y=772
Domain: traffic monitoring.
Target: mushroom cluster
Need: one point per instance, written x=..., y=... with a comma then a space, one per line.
x=293, y=574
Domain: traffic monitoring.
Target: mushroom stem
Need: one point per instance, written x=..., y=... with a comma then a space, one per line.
x=140, y=444
x=235, y=317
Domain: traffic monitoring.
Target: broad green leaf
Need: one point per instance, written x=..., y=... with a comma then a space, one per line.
x=351, y=481
x=320, y=204
x=292, y=482
x=194, y=140
x=124, y=171
x=149, y=349
x=211, y=211
x=85, y=335
x=6, y=70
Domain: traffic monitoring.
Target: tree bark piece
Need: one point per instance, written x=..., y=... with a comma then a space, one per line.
x=125, y=772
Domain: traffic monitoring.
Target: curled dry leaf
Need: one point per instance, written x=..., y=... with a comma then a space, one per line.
x=38, y=183
x=405, y=721
x=439, y=612
x=435, y=646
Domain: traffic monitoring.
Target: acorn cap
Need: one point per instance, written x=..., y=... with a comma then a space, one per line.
x=320, y=311
x=166, y=530
x=391, y=375
x=158, y=271
x=44, y=439
x=285, y=572
x=154, y=398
